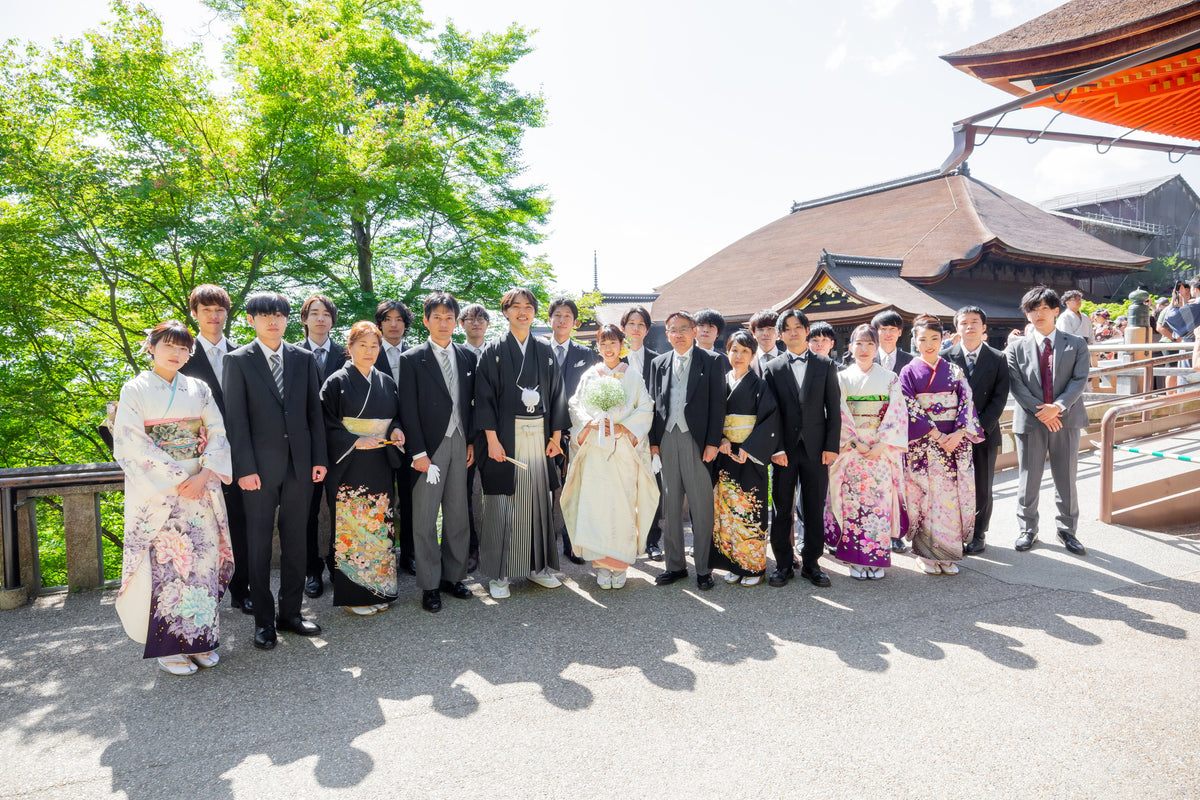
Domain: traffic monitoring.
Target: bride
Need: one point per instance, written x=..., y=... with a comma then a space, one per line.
x=610, y=495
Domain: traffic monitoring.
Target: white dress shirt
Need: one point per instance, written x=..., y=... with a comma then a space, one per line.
x=216, y=357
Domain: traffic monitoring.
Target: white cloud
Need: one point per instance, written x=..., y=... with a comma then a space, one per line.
x=1068, y=168
x=962, y=10
x=893, y=62
x=1002, y=9
x=882, y=9
x=836, y=57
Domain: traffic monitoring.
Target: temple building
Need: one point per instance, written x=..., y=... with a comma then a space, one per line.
x=928, y=243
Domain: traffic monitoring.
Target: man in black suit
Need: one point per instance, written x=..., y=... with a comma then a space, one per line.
x=573, y=360
x=688, y=387
x=394, y=319
x=762, y=328
x=318, y=315
x=277, y=434
x=437, y=391
x=987, y=375
x=806, y=390
x=635, y=324
x=210, y=306
x=474, y=319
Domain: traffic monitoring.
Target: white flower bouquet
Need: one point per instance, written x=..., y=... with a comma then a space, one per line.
x=606, y=394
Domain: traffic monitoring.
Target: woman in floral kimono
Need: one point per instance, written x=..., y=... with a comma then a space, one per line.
x=169, y=438
x=866, y=482
x=362, y=428
x=750, y=436
x=610, y=495
x=939, y=493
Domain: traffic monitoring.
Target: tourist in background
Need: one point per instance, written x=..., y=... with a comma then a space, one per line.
x=866, y=481
x=169, y=438
x=610, y=495
x=1074, y=321
x=939, y=491
x=749, y=437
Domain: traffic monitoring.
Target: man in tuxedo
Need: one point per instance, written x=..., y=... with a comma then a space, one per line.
x=573, y=360
x=762, y=328
x=277, y=434
x=209, y=305
x=709, y=325
x=635, y=324
x=1048, y=371
x=688, y=387
x=437, y=391
x=806, y=390
x=318, y=315
x=987, y=375
x=394, y=319
x=475, y=320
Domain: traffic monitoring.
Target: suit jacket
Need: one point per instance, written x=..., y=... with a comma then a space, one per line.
x=198, y=366
x=810, y=415
x=579, y=359
x=648, y=357
x=704, y=406
x=1070, y=367
x=722, y=359
x=270, y=433
x=756, y=367
x=425, y=403
x=381, y=361
x=333, y=361
x=989, y=385
x=903, y=358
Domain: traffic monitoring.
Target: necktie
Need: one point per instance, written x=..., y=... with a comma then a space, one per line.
x=321, y=360
x=560, y=352
x=970, y=363
x=218, y=366
x=394, y=360
x=451, y=385
x=1044, y=362
x=277, y=371
x=680, y=366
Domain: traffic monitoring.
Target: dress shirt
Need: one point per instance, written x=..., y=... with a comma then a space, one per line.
x=216, y=356
x=393, y=356
x=968, y=355
x=268, y=352
x=315, y=347
x=637, y=359
x=1038, y=338
x=888, y=360
x=799, y=365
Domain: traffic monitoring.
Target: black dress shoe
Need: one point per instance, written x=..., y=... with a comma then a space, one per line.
x=780, y=577
x=654, y=552
x=815, y=576
x=670, y=576
x=431, y=600
x=314, y=586
x=245, y=604
x=975, y=546
x=408, y=564
x=264, y=638
x=898, y=546
x=1071, y=543
x=1025, y=541
x=457, y=589
x=298, y=625
x=704, y=582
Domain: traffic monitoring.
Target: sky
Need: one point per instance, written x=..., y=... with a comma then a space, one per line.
x=675, y=129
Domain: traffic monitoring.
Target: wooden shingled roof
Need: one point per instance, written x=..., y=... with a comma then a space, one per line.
x=933, y=224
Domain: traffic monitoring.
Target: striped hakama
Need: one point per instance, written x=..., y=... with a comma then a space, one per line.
x=518, y=537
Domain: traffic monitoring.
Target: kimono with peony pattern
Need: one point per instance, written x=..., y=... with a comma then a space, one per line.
x=177, y=559
x=939, y=492
x=361, y=485
x=740, y=500
x=864, y=508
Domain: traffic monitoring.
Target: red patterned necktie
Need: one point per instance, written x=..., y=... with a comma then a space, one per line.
x=1044, y=362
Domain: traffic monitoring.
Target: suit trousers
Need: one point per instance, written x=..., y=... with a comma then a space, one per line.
x=684, y=474
x=983, y=455
x=291, y=497
x=239, y=584
x=447, y=560
x=1032, y=449
x=654, y=537
x=314, y=563
x=813, y=476
x=475, y=500
x=402, y=511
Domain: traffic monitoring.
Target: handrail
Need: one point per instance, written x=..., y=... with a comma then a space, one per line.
x=1108, y=427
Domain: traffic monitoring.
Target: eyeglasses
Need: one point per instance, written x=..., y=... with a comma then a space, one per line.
x=679, y=331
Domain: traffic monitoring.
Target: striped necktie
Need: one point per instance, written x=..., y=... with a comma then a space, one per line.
x=277, y=371
x=321, y=360
x=451, y=386
x=970, y=363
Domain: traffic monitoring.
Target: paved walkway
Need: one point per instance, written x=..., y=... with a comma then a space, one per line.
x=1029, y=675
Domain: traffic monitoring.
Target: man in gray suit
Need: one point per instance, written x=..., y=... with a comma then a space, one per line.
x=1048, y=370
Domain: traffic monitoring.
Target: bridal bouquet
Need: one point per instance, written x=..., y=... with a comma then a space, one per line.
x=606, y=394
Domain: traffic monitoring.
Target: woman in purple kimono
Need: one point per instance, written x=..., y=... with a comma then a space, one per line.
x=866, y=482
x=939, y=476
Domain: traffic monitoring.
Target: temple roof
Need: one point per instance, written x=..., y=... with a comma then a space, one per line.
x=932, y=225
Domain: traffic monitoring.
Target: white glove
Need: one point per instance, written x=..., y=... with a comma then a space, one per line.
x=433, y=474
x=656, y=464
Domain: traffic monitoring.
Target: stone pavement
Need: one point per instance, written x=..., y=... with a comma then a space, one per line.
x=1029, y=675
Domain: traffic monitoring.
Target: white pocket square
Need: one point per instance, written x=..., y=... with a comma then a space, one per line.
x=579, y=363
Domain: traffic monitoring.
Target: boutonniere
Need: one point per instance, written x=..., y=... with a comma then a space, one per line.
x=578, y=364
x=468, y=373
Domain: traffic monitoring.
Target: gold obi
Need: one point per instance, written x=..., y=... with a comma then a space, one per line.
x=738, y=427
x=366, y=427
